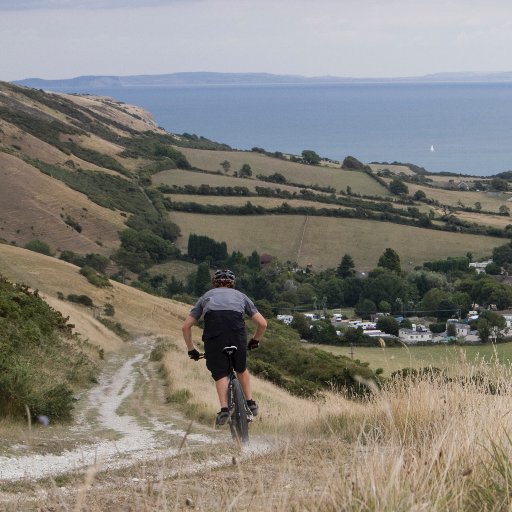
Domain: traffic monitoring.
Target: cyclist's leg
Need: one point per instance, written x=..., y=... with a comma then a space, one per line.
x=244, y=379
x=222, y=390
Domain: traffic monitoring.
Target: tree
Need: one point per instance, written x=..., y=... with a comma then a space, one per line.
x=451, y=330
x=346, y=267
x=226, y=166
x=310, y=157
x=254, y=261
x=388, y=325
x=398, y=187
x=504, y=210
x=301, y=324
x=390, y=260
x=352, y=163
x=491, y=326
x=502, y=254
x=365, y=308
x=419, y=195
x=245, y=171
x=203, y=279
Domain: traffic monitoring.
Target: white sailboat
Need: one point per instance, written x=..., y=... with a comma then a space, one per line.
x=432, y=148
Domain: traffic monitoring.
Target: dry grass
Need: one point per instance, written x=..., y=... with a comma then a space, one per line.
x=35, y=205
x=490, y=201
x=293, y=172
x=428, y=445
x=322, y=241
x=266, y=202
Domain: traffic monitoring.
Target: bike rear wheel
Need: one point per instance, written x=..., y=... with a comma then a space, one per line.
x=238, y=424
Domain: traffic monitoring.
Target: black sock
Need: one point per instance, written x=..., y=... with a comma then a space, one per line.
x=224, y=409
x=251, y=402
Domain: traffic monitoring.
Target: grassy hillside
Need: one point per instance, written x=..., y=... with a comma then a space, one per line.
x=293, y=172
x=323, y=241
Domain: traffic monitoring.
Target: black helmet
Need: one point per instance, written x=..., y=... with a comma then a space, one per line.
x=224, y=276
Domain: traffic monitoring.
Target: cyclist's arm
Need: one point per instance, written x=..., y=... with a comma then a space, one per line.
x=261, y=325
x=186, y=328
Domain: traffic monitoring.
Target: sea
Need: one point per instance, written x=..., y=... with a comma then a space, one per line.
x=463, y=128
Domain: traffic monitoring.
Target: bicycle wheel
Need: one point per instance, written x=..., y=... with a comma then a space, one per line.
x=238, y=424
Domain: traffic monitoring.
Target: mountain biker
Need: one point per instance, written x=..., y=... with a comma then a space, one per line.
x=223, y=308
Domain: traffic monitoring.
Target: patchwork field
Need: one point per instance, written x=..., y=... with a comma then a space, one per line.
x=490, y=201
x=293, y=172
x=323, y=241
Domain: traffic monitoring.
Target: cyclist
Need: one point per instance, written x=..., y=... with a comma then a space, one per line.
x=223, y=308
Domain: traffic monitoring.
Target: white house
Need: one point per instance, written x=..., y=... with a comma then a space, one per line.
x=410, y=336
x=462, y=330
x=286, y=319
x=479, y=266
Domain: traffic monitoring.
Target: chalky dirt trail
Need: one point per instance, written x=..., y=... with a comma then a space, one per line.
x=121, y=422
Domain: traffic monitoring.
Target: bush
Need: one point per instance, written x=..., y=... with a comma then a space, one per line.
x=39, y=246
x=94, y=278
x=85, y=300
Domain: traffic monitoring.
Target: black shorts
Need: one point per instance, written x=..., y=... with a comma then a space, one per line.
x=224, y=329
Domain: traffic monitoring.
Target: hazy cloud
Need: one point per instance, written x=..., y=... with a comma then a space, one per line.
x=23, y=5
x=65, y=38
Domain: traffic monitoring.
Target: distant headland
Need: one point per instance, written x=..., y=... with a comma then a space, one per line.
x=211, y=78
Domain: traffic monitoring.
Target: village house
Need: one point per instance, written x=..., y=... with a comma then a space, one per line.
x=479, y=266
x=418, y=334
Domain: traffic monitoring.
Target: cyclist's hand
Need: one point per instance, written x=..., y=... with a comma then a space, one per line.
x=253, y=344
x=194, y=354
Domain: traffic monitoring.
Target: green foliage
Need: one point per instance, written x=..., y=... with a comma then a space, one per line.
x=419, y=195
x=245, y=171
x=201, y=247
x=203, y=281
x=40, y=363
x=159, y=225
x=85, y=300
x=448, y=265
x=94, y=277
x=398, y=187
x=388, y=324
x=73, y=223
x=310, y=157
x=39, y=246
x=140, y=249
x=346, y=267
x=502, y=254
x=305, y=372
x=115, y=327
x=353, y=164
x=390, y=260
x=104, y=189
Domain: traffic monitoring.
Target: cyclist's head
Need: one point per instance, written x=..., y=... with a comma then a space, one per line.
x=224, y=277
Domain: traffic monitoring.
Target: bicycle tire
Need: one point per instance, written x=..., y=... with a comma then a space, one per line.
x=239, y=425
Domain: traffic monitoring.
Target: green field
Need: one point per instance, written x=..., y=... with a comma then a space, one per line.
x=322, y=241
x=360, y=182
x=391, y=359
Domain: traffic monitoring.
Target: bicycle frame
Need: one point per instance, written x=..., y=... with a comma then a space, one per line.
x=239, y=414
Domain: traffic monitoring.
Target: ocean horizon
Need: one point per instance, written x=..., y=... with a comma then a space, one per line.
x=462, y=128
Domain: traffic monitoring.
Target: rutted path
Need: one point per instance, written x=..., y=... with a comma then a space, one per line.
x=124, y=439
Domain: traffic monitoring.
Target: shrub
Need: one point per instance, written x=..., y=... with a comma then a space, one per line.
x=39, y=246
x=94, y=278
x=85, y=300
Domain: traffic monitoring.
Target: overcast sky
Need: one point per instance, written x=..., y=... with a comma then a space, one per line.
x=359, y=38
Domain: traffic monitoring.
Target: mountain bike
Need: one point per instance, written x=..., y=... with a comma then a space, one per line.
x=239, y=413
